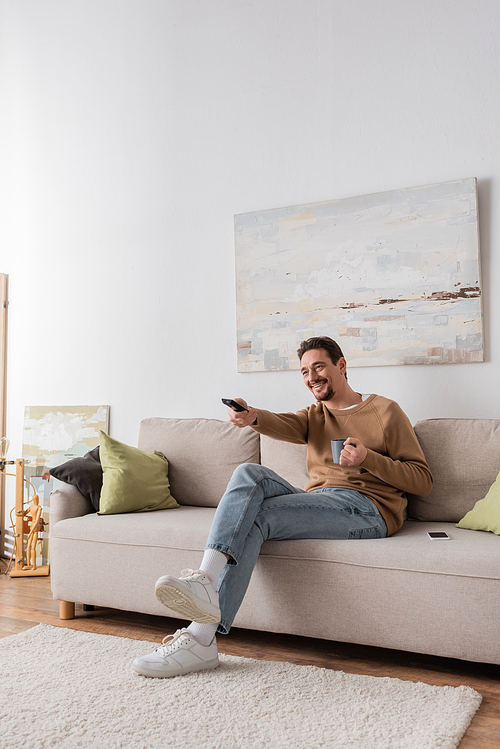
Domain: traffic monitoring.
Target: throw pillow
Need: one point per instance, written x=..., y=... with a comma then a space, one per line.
x=485, y=515
x=84, y=473
x=133, y=480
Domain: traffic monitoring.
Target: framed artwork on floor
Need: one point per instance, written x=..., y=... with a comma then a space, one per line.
x=51, y=436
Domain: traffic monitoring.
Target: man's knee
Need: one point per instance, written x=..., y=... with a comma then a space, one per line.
x=247, y=471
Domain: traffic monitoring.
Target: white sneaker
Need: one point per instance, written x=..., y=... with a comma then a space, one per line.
x=179, y=654
x=192, y=596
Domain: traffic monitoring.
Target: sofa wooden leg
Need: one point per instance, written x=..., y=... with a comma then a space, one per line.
x=66, y=610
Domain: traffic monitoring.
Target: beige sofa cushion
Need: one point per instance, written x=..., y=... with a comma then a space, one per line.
x=115, y=560
x=287, y=459
x=464, y=457
x=202, y=455
x=403, y=592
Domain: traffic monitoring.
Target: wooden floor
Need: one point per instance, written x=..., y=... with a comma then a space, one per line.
x=26, y=602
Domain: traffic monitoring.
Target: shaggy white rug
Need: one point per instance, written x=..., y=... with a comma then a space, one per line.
x=63, y=688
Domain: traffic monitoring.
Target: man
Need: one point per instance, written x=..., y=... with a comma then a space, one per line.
x=363, y=496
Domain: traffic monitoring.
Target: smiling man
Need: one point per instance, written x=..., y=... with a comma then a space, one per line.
x=362, y=496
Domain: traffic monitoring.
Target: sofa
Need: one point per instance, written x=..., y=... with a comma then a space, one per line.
x=405, y=592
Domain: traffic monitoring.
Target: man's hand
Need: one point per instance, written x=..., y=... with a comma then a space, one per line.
x=354, y=452
x=242, y=418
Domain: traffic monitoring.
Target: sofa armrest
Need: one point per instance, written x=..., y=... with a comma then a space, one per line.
x=67, y=502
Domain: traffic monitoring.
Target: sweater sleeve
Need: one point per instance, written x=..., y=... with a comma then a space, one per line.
x=288, y=427
x=404, y=465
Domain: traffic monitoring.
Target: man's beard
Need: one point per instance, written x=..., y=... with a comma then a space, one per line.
x=327, y=396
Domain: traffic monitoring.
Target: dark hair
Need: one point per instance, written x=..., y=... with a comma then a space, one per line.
x=331, y=347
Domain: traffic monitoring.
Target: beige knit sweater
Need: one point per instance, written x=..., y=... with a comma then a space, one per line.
x=394, y=466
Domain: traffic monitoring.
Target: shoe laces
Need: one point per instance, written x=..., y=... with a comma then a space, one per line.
x=186, y=574
x=171, y=643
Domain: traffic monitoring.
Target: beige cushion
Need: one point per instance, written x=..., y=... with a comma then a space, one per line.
x=202, y=455
x=287, y=459
x=178, y=528
x=464, y=457
x=404, y=592
x=115, y=560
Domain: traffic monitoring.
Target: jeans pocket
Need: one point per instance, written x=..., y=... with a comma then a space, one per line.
x=359, y=533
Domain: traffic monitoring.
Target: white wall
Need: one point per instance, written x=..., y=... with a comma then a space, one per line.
x=133, y=130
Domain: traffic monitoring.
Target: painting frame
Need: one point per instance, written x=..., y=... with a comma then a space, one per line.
x=53, y=435
x=394, y=277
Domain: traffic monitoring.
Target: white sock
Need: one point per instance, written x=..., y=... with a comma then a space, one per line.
x=204, y=633
x=212, y=564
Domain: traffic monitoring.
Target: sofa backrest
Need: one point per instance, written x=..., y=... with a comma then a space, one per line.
x=464, y=457
x=202, y=455
x=287, y=459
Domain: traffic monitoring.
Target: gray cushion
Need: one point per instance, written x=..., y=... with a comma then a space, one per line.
x=202, y=455
x=464, y=457
x=84, y=473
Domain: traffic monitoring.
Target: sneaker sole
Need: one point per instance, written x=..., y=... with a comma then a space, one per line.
x=180, y=602
x=145, y=671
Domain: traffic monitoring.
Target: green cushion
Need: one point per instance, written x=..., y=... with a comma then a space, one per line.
x=133, y=480
x=485, y=515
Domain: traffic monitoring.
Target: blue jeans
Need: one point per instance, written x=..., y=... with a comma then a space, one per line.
x=258, y=505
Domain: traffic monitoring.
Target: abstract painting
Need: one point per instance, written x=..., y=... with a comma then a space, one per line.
x=51, y=436
x=393, y=277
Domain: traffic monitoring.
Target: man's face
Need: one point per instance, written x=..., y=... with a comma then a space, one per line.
x=321, y=375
